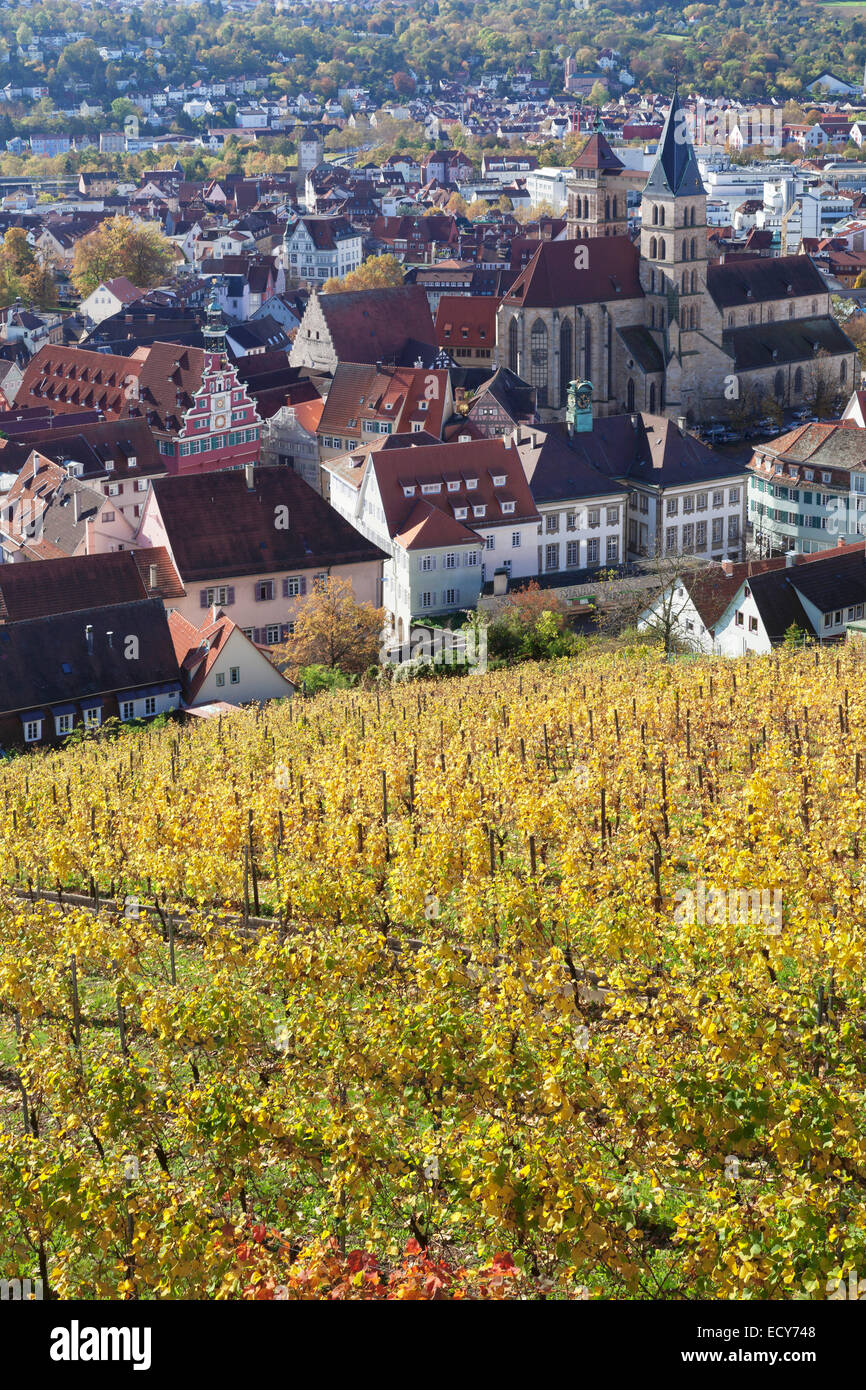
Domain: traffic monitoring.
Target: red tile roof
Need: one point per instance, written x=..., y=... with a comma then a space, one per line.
x=552, y=280
x=68, y=584
x=466, y=320
x=479, y=460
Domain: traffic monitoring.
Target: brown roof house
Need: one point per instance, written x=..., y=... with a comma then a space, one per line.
x=252, y=542
x=390, y=326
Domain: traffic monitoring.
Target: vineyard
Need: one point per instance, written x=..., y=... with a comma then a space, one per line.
x=446, y=990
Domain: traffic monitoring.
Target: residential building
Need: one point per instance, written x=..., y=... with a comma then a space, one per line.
x=219, y=662
x=447, y=516
x=807, y=489
x=253, y=542
x=316, y=249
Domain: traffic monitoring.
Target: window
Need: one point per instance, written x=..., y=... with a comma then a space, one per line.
x=234, y=675
x=461, y=513
x=453, y=485
x=473, y=557
x=450, y=561
x=701, y=501
x=733, y=528
x=571, y=521
x=427, y=600
x=612, y=556
x=451, y=596
x=108, y=516
x=551, y=557
x=428, y=488
x=428, y=562
x=293, y=586
x=149, y=705
x=507, y=508
x=218, y=596
x=613, y=516
x=479, y=510
x=701, y=535
x=688, y=503
x=718, y=498
x=733, y=496
x=93, y=717
x=551, y=521
x=264, y=590
x=738, y=619
x=593, y=517
x=515, y=540
x=538, y=360
x=688, y=536
x=272, y=634
x=32, y=730
x=572, y=554
x=221, y=678
x=718, y=531
x=592, y=551
x=671, y=538
x=127, y=710
x=672, y=506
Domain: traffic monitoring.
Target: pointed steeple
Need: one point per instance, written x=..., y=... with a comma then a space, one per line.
x=675, y=171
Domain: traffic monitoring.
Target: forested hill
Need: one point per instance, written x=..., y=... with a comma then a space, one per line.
x=736, y=48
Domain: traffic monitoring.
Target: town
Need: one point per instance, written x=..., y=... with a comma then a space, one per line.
x=432, y=663
x=459, y=381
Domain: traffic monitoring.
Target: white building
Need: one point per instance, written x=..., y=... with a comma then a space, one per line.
x=447, y=515
x=316, y=249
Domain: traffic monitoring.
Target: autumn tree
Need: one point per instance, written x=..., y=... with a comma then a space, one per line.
x=332, y=629
x=376, y=273
x=120, y=246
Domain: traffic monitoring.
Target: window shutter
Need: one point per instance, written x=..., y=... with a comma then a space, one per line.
x=230, y=596
x=258, y=593
x=303, y=585
x=285, y=588
x=258, y=635
x=284, y=632
x=202, y=598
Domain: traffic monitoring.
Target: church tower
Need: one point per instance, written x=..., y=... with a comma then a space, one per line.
x=673, y=244
x=597, y=204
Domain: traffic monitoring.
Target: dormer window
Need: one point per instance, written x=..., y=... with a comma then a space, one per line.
x=408, y=490
x=109, y=467
x=461, y=513
x=826, y=477
x=453, y=486
x=808, y=474
x=428, y=488
x=471, y=484
x=507, y=507
x=479, y=510
x=499, y=480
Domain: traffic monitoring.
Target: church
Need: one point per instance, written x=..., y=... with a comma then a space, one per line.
x=652, y=324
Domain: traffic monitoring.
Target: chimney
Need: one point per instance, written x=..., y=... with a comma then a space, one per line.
x=840, y=542
x=152, y=573
x=109, y=637
x=76, y=506
x=635, y=421
x=790, y=559
x=88, y=637
x=681, y=424
x=250, y=470
x=728, y=566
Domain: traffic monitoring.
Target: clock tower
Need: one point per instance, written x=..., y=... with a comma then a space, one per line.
x=579, y=411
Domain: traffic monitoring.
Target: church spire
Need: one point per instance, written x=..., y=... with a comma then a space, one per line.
x=675, y=171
